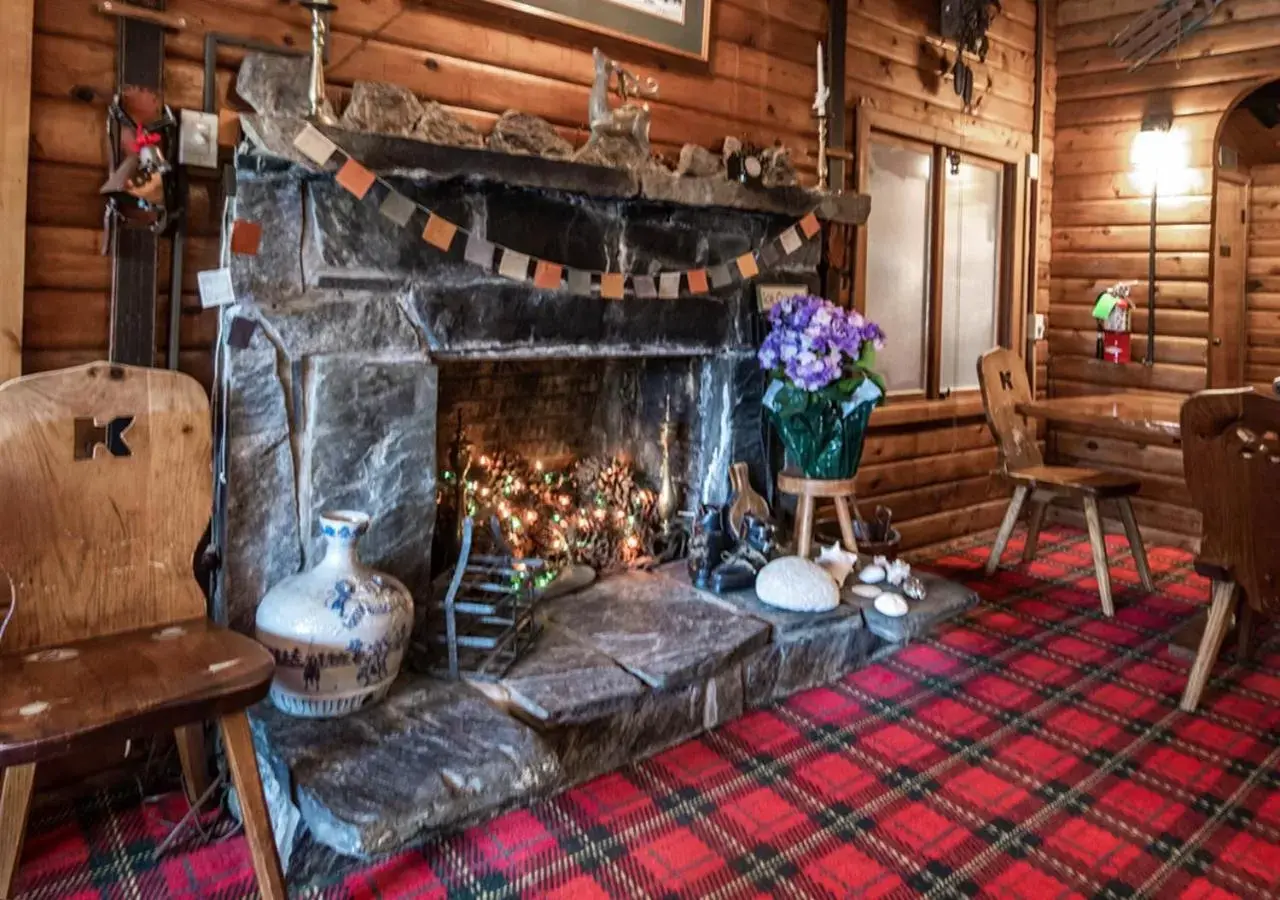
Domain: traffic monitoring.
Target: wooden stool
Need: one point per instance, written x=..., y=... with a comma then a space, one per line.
x=838, y=490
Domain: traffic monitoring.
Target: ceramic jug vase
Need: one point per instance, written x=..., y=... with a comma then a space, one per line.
x=339, y=631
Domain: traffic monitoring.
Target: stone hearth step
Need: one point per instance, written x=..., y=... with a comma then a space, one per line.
x=944, y=600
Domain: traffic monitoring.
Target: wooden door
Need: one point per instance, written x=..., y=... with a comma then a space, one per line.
x=1227, y=313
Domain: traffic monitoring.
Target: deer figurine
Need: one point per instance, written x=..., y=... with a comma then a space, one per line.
x=630, y=120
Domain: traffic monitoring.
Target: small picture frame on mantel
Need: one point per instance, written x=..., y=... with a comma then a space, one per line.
x=769, y=295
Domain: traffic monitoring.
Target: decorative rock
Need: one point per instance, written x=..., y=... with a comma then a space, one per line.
x=382, y=108
x=838, y=562
x=528, y=135
x=869, y=591
x=794, y=583
x=872, y=574
x=439, y=126
x=891, y=605
x=913, y=587
x=275, y=85
x=698, y=162
x=778, y=170
x=615, y=152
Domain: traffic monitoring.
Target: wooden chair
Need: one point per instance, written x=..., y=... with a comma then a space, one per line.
x=105, y=472
x=1003, y=379
x=1231, y=458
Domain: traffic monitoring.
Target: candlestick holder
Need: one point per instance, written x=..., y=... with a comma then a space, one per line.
x=320, y=11
x=824, y=168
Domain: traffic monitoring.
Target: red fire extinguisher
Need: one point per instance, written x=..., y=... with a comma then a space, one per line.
x=1113, y=313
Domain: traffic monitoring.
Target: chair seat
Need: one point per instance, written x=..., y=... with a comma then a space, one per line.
x=58, y=699
x=1073, y=480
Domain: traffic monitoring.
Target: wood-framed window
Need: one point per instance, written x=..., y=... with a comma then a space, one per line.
x=939, y=262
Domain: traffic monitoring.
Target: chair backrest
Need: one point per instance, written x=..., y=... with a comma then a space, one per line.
x=1002, y=376
x=1231, y=460
x=106, y=480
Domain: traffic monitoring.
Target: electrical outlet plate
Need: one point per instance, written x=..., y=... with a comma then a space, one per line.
x=1039, y=326
x=198, y=139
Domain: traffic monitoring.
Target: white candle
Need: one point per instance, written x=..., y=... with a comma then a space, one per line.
x=822, y=80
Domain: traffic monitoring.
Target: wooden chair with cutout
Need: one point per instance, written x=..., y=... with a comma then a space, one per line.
x=106, y=475
x=1003, y=378
x=1231, y=459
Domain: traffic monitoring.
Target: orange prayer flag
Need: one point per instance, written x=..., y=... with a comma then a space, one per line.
x=439, y=232
x=246, y=237
x=355, y=178
x=612, y=285
x=546, y=275
x=809, y=225
x=697, y=279
x=747, y=265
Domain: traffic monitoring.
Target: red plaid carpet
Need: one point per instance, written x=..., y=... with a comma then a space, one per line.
x=1034, y=749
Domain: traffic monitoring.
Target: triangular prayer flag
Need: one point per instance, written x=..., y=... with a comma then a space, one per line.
x=613, y=285
x=697, y=279
x=546, y=275
x=513, y=265
x=439, y=233
x=580, y=282
x=809, y=225
x=397, y=207
x=645, y=287
x=747, y=265
x=314, y=145
x=479, y=252
x=790, y=240
x=669, y=285
x=355, y=178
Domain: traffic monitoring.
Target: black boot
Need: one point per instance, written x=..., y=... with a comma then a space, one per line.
x=708, y=544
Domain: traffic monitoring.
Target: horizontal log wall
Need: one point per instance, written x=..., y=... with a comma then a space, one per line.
x=1100, y=225
x=1262, y=297
x=479, y=61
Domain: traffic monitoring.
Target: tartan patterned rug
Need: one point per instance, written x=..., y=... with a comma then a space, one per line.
x=1032, y=749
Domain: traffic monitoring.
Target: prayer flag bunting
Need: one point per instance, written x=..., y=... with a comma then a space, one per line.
x=809, y=225
x=719, y=275
x=546, y=275
x=513, y=265
x=579, y=282
x=790, y=240
x=613, y=285
x=747, y=265
x=397, y=207
x=314, y=145
x=356, y=178
x=479, y=252
x=697, y=279
x=439, y=233
x=770, y=254
x=669, y=285
x=646, y=288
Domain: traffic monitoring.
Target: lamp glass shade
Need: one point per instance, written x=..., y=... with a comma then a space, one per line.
x=1159, y=161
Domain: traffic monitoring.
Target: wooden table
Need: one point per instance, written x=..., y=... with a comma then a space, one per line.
x=1146, y=418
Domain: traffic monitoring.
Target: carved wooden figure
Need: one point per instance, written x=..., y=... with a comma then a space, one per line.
x=107, y=473
x=1002, y=376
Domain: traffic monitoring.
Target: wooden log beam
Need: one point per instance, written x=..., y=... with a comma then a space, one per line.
x=15, y=135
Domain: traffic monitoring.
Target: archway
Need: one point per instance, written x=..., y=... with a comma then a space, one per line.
x=1246, y=183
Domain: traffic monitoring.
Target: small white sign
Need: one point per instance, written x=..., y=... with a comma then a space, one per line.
x=215, y=288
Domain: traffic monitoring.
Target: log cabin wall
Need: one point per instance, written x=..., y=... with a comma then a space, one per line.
x=1100, y=218
x=1262, y=355
x=931, y=467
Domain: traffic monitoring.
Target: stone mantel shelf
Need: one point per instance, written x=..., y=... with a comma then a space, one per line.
x=410, y=158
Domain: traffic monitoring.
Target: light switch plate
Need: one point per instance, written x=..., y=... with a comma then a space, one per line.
x=1039, y=326
x=198, y=139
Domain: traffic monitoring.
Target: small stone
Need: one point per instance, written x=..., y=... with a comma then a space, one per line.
x=698, y=162
x=871, y=574
x=528, y=135
x=798, y=584
x=439, y=126
x=382, y=108
x=891, y=605
x=913, y=587
x=612, y=151
x=869, y=591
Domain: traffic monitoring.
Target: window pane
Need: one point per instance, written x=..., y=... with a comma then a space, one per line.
x=898, y=260
x=970, y=272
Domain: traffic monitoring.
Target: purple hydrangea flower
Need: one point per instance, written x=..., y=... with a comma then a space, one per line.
x=812, y=342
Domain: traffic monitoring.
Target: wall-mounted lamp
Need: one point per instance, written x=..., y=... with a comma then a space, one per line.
x=1159, y=161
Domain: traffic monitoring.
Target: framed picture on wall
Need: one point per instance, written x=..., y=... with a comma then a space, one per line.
x=673, y=26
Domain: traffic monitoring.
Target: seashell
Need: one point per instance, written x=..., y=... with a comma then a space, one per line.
x=891, y=605
x=838, y=562
x=871, y=574
x=913, y=587
x=897, y=571
x=869, y=591
x=797, y=584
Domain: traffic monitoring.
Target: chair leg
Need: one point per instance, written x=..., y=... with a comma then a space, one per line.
x=15, y=803
x=1135, y=543
x=846, y=524
x=195, y=764
x=1006, y=527
x=1034, y=521
x=804, y=526
x=1215, y=628
x=1097, y=542
x=1245, y=620
x=238, y=744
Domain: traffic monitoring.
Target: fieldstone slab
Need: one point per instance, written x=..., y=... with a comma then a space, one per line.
x=944, y=599
x=662, y=632
x=745, y=602
x=434, y=755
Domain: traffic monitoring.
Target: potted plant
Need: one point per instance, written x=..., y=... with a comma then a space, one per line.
x=823, y=385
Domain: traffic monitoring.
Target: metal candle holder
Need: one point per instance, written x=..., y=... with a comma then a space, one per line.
x=320, y=12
